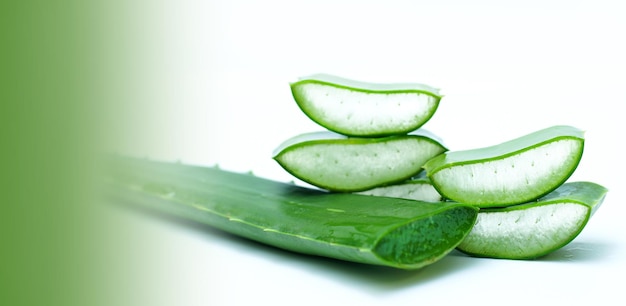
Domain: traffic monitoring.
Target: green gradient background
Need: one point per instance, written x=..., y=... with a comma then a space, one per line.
x=62, y=70
x=80, y=78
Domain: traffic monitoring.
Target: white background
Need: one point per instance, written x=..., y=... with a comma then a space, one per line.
x=211, y=86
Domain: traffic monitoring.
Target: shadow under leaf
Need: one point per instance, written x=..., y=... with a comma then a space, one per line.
x=580, y=251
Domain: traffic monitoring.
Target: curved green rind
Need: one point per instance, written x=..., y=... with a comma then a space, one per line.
x=333, y=162
x=478, y=191
x=379, y=231
x=379, y=125
x=564, y=214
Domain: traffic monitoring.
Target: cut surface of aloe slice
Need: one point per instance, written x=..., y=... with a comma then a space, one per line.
x=371, y=230
x=418, y=188
x=534, y=229
x=339, y=163
x=513, y=172
x=365, y=109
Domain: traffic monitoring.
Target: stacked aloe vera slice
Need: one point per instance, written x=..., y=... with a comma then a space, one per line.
x=527, y=209
x=375, y=146
x=398, y=197
x=372, y=138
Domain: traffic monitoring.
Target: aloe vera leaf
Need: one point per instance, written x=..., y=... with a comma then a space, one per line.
x=534, y=229
x=338, y=163
x=379, y=231
x=356, y=108
x=513, y=172
x=418, y=188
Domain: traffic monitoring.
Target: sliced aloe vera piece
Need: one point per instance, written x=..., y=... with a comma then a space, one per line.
x=365, y=109
x=418, y=188
x=335, y=162
x=534, y=229
x=513, y=172
x=380, y=231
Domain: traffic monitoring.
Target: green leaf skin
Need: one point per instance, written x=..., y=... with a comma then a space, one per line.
x=534, y=229
x=418, y=188
x=363, y=109
x=379, y=231
x=512, y=172
x=338, y=163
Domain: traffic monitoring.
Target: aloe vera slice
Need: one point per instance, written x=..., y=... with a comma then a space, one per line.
x=513, y=172
x=365, y=109
x=534, y=229
x=418, y=188
x=380, y=231
x=335, y=162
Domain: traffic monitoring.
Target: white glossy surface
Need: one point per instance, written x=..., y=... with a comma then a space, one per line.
x=211, y=85
x=365, y=113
